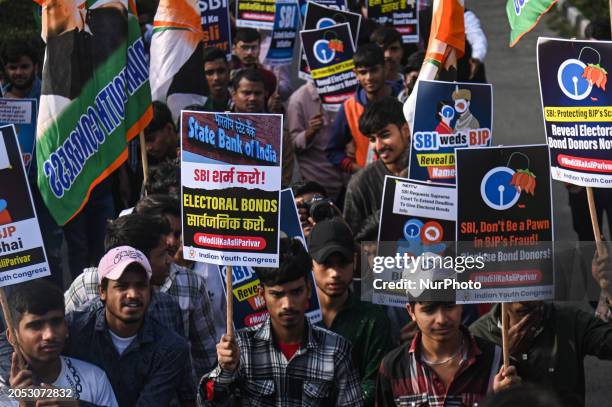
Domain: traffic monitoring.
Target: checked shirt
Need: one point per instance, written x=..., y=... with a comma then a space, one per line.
x=320, y=373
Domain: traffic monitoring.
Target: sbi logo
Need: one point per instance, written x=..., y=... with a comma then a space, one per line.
x=425, y=140
x=519, y=5
x=322, y=52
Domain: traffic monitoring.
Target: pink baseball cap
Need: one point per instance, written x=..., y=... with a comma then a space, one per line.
x=115, y=261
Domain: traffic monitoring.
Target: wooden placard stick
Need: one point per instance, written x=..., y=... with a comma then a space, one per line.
x=611, y=14
x=145, y=162
x=505, y=340
x=229, y=299
x=594, y=220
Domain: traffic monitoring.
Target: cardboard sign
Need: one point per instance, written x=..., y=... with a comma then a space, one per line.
x=335, y=4
x=403, y=15
x=577, y=108
x=22, y=114
x=230, y=179
x=415, y=218
x=504, y=214
x=329, y=52
x=216, y=24
x=22, y=254
x=448, y=115
x=257, y=14
x=318, y=16
x=249, y=306
x=286, y=23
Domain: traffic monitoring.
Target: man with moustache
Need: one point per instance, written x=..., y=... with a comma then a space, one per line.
x=285, y=361
x=20, y=65
x=248, y=92
x=155, y=230
x=249, y=96
x=217, y=72
x=466, y=120
x=144, y=360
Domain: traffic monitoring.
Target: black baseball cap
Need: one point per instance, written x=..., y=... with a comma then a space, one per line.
x=328, y=237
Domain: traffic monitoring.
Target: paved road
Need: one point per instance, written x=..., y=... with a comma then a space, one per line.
x=518, y=111
x=518, y=120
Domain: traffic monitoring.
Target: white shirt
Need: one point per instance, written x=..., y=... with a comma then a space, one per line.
x=475, y=36
x=120, y=343
x=88, y=383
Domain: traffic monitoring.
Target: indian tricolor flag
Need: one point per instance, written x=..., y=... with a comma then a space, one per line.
x=446, y=45
x=177, y=72
x=447, y=38
x=95, y=97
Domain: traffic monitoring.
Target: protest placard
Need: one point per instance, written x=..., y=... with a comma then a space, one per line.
x=231, y=178
x=335, y=4
x=22, y=254
x=249, y=307
x=286, y=23
x=22, y=114
x=448, y=115
x=216, y=24
x=403, y=15
x=329, y=52
x=577, y=109
x=415, y=218
x=504, y=216
x=257, y=14
x=318, y=16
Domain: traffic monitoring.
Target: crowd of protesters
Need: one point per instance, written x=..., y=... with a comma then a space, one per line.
x=138, y=325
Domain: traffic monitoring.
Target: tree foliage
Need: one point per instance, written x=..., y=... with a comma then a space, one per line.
x=17, y=21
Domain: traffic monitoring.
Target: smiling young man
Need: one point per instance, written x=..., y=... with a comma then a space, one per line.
x=145, y=361
x=384, y=125
x=444, y=365
x=369, y=69
x=285, y=361
x=365, y=325
x=146, y=233
x=153, y=230
x=37, y=309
